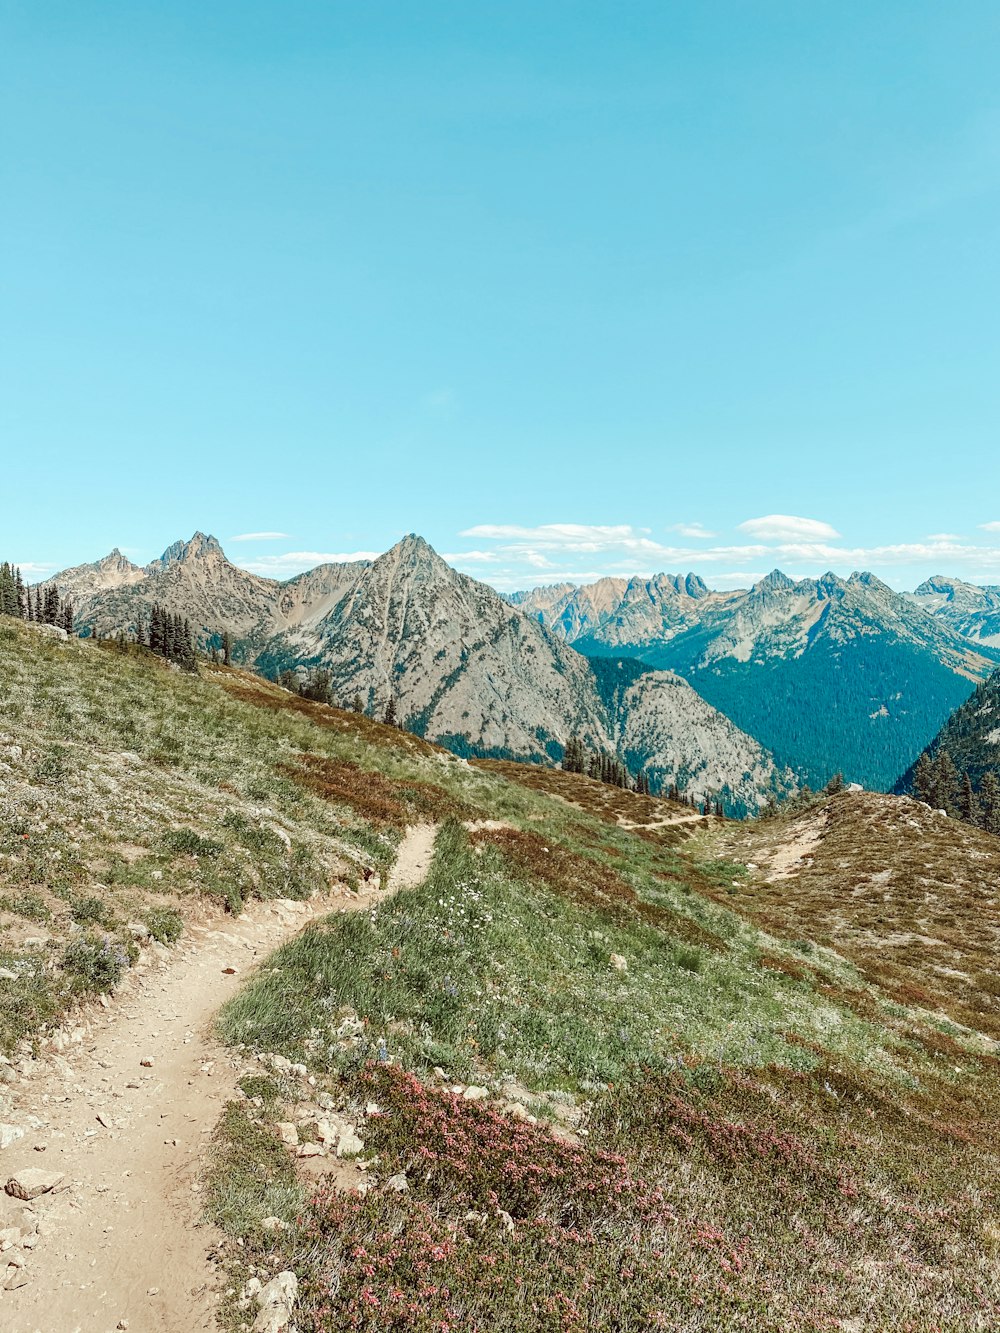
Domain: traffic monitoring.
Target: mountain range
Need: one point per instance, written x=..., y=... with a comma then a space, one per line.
x=806, y=677
x=830, y=674
x=462, y=665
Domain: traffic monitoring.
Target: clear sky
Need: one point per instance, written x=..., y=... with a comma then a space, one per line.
x=564, y=287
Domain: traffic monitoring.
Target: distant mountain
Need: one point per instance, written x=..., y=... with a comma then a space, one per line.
x=969, y=610
x=830, y=674
x=971, y=736
x=464, y=666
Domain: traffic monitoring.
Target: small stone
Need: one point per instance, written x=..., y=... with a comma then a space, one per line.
x=474, y=1094
x=146, y=1062
x=152, y=1291
x=399, y=1183
x=105, y=1120
x=16, y=1277
x=619, y=962
x=122, y=1324
x=274, y=1224
x=348, y=1144
x=31, y=1183
x=312, y=1150
x=287, y=1133
x=229, y=971
x=10, y=1134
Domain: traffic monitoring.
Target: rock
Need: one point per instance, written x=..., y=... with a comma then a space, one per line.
x=287, y=1133
x=9, y=1237
x=48, y=631
x=274, y=1224
x=311, y=1150
x=348, y=1143
x=138, y=930
x=619, y=962
x=16, y=1277
x=474, y=1094
x=10, y=1134
x=399, y=1183
x=147, y=1062
x=328, y=1133
x=29, y=1184
x=7, y=975
x=276, y=1301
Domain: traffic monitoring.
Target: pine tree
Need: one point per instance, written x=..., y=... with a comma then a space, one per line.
x=357, y=706
x=989, y=794
x=946, y=790
x=925, y=780
x=390, y=713
x=968, y=802
x=227, y=648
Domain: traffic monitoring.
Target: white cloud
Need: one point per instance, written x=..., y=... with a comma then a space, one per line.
x=34, y=566
x=787, y=527
x=944, y=537
x=259, y=537
x=990, y=527
x=690, y=530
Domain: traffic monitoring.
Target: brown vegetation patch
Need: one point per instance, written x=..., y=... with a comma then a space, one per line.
x=589, y=884
x=614, y=805
x=372, y=795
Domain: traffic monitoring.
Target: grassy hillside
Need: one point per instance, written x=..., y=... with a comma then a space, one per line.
x=606, y=1072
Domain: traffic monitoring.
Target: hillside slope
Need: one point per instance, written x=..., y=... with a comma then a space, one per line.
x=828, y=674
x=584, y=1075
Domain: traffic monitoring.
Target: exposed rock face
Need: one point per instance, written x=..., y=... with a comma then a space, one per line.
x=462, y=665
x=970, y=610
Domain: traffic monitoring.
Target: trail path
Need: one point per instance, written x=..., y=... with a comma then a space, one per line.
x=121, y=1243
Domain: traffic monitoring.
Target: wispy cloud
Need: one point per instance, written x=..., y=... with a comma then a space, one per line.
x=259, y=537
x=690, y=530
x=788, y=527
x=990, y=527
x=512, y=556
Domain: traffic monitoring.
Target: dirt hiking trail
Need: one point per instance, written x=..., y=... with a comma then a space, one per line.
x=120, y=1242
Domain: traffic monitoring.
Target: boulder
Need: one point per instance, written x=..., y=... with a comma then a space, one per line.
x=276, y=1301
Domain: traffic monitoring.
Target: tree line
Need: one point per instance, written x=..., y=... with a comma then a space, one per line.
x=939, y=783
x=37, y=606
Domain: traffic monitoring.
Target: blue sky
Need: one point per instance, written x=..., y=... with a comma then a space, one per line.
x=569, y=288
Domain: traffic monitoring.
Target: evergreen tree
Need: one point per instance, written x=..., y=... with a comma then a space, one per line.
x=968, y=802
x=835, y=785
x=925, y=780
x=357, y=706
x=946, y=787
x=989, y=794
x=390, y=713
x=227, y=648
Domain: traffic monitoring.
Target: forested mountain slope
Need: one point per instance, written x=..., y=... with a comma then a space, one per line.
x=830, y=674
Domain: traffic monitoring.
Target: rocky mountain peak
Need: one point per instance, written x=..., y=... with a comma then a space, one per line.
x=776, y=581
x=200, y=547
